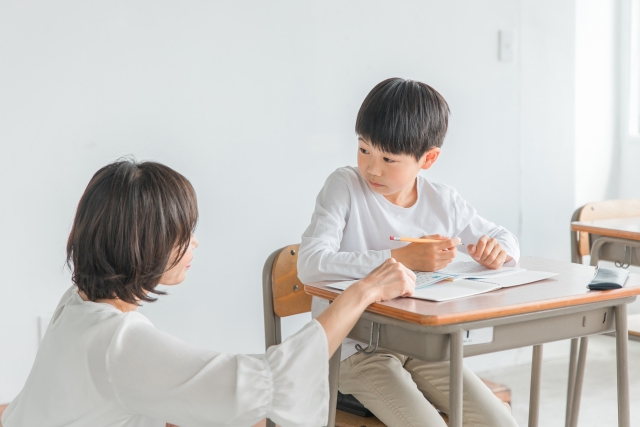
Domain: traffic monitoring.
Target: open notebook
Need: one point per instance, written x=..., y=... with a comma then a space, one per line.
x=463, y=279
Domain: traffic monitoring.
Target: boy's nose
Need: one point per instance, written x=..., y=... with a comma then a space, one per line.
x=374, y=169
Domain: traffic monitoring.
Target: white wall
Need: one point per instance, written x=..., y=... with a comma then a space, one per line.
x=255, y=103
x=547, y=79
x=548, y=44
x=597, y=149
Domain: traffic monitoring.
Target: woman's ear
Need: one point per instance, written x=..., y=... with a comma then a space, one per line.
x=430, y=157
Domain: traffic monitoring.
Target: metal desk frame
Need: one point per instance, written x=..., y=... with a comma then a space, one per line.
x=445, y=342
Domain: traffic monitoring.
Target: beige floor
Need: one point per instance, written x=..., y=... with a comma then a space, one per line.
x=598, y=407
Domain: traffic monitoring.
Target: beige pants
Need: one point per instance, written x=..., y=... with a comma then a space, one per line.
x=400, y=391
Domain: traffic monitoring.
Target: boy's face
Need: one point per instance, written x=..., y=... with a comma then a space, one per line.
x=388, y=174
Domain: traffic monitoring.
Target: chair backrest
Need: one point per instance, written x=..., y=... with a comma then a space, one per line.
x=606, y=209
x=289, y=297
x=283, y=293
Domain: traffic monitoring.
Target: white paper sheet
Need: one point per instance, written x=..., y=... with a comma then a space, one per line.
x=445, y=291
x=471, y=269
x=522, y=278
x=448, y=290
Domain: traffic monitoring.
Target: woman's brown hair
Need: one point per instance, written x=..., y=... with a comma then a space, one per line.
x=129, y=219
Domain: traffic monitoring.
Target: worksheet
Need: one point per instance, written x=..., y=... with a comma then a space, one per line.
x=436, y=287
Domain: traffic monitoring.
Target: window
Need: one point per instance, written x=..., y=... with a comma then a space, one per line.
x=631, y=56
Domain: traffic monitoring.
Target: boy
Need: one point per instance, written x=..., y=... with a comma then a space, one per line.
x=401, y=126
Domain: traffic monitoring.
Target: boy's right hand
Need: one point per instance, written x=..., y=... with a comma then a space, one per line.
x=427, y=256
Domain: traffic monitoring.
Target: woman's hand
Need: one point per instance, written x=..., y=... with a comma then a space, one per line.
x=390, y=280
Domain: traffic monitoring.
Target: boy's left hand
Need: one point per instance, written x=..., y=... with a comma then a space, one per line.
x=488, y=252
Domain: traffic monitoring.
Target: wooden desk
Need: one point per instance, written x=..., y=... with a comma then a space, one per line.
x=616, y=239
x=613, y=240
x=554, y=309
x=623, y=228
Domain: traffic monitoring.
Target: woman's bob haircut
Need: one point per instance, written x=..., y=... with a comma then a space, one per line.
x=129, y=220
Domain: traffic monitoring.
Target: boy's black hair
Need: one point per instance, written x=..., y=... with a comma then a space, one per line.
x=403, y=116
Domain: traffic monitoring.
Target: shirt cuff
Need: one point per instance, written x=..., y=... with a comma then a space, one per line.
x=300, y=378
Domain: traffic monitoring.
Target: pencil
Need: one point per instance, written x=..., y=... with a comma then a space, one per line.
x=414, y=240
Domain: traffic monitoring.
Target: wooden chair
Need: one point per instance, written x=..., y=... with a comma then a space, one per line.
x=284, y=296
x=582, y=243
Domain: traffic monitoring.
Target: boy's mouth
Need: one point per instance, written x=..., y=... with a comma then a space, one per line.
x=373, y=184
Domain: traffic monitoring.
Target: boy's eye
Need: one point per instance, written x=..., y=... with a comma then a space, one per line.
x=388, y=160
x=363, y=151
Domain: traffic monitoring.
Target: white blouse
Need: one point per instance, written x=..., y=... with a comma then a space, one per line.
x=97, y=366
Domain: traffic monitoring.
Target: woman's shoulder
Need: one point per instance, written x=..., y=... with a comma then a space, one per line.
x=89, y=324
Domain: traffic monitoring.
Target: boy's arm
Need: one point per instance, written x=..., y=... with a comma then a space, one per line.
x=318, y=258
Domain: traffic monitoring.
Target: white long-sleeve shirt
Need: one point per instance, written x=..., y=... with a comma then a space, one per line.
x=351, y=224
x=97, y=366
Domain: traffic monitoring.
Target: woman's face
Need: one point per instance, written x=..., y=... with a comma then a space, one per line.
x=178, y=272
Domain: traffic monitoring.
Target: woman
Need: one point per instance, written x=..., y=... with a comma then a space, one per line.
x=101, y=363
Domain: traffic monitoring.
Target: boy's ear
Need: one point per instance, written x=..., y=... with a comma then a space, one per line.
x=430, y=157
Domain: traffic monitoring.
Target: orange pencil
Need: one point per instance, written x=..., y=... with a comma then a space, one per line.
x=414, y=240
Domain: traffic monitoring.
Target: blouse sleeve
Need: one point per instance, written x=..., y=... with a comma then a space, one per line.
x=159, y=376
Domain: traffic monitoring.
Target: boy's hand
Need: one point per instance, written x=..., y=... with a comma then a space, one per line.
x=427, y=256
x=488, y=252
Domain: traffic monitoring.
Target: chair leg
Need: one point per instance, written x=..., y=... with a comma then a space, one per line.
x=272, y=335
x=575, y=254
x=334, y=373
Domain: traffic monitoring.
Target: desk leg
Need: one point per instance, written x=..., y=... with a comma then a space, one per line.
x=534, y=398
x=455, y=384
x=334, y=372
x=577, y=390
x=573, y=362
x=624, y=416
